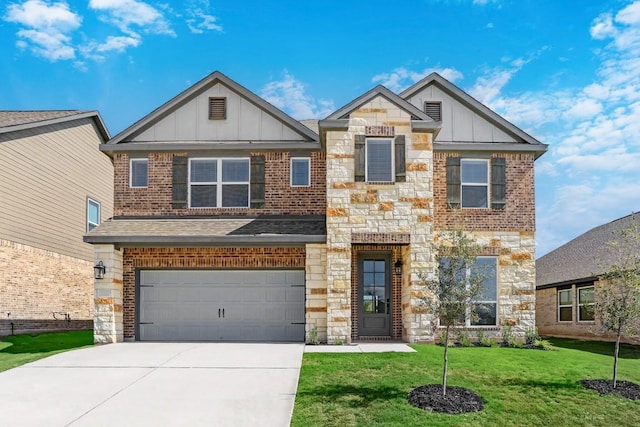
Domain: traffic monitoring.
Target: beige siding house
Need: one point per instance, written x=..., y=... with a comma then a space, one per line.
x=55, y=185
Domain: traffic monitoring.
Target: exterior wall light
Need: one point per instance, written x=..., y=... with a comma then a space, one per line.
x=398, y=266
x=98, y=270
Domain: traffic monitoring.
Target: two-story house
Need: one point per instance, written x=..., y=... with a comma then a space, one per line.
x=55, y=185
x=233, y=221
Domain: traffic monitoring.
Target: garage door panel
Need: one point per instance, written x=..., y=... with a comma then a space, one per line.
x=186, y=305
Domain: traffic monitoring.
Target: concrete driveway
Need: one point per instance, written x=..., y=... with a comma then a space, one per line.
x=155, y=384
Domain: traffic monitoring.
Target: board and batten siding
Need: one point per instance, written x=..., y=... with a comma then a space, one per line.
x=459, y=123
x=46, y=175
x=245, y=122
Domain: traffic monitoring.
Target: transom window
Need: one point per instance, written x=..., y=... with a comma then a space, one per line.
x=586, y=304
x=474, y=180
x=219, y=183
x=93, y=214
x=485, y=309
x=565, y=305
x=379, y=160
x=300, y=171
x=138, y=173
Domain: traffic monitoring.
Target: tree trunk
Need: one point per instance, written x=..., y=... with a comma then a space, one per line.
x=615, y=361
x=446, y=358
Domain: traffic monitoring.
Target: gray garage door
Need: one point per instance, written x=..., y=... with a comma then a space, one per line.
x=208, y=305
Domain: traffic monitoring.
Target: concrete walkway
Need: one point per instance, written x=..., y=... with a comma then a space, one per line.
x=381, y=347
x=155, y=384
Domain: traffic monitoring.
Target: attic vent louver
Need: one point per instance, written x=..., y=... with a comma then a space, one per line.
x=433, y=109
x=217, y=108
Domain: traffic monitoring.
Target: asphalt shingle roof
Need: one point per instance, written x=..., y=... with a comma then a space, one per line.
x=204, y=231
x=586, y=256
x=15, y=118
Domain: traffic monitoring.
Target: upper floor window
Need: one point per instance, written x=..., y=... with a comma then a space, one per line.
x=474, y=176
x=476, y=183
x=586, y=304
x=93, y=214
x=300, y=171
x=485, y=308
x=217, y=108
x=219, y=183
x=379, y=160
x=565, y=305
x=138, y=173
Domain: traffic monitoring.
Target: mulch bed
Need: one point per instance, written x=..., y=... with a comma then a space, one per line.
x=623, y=388
x=458, y=400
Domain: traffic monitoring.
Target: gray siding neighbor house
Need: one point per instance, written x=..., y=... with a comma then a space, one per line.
x=55, y=186
x=567, y=281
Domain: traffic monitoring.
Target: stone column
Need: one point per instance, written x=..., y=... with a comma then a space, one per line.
x=108, y=317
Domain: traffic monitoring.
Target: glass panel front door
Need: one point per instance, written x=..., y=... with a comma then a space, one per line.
x=375, y=294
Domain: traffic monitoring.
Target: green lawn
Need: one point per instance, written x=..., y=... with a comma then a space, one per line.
x=520, y=387
x=17, y=350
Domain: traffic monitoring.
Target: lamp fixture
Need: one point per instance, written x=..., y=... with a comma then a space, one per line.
x=398, y=266
x=98, y=270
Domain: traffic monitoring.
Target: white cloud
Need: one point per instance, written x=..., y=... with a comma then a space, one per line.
x=289, y=95
x=129, y=14
x=48, y=28
x=401, y=78
x=199, y=21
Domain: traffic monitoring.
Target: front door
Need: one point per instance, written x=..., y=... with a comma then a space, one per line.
x=374, y=290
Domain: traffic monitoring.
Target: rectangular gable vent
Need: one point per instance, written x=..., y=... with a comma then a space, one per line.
x=217, y=108
x=433, y=110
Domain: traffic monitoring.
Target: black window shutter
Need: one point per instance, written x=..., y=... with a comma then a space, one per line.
x=358, y=157
x=401, y=168
x=498, y=183
x=453, y=182
x=257, y=182
x=179, y=182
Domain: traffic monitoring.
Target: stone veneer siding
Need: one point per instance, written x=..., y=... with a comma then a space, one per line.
x=35, y=283
x=184, y=258
x=280, y=197
x=389, y=209
x=316, y=291
x=519, y=211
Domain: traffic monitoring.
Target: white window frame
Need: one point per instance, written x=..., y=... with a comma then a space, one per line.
x=579, y=304
x=486, y=185
x=467, y=317
x=91, y=224
x=219, y=183
x=131, y=162
x=366, y=159
x=308, y=161
x=570, y=305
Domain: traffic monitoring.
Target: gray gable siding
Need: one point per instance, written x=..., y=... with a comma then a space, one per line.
x=47, y=173
x=245, y=122
x=459, y=122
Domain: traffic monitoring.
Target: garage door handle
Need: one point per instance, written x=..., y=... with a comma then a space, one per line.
x=218, y=313
x=223, y=312
x=146, y=323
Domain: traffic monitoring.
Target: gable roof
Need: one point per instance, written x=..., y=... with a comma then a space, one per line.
x=11, y=121
x=201, y=86
x=472, y=103
x=584, y=257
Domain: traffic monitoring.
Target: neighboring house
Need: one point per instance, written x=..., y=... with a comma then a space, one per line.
x=567, y=281
x=233, y=221
x=55, y=186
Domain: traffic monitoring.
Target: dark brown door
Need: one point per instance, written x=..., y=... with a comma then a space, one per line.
x=374, y=290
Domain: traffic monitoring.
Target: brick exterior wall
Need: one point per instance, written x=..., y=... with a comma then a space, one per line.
x=519, y=212
x=280, y=197
x=548, y=324
x=182, y=258
x=35, y=284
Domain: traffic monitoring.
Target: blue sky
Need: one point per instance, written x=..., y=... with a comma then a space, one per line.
x=567, y=72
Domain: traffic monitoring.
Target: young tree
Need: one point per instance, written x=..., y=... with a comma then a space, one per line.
x=618, y=298
x=452, y=294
